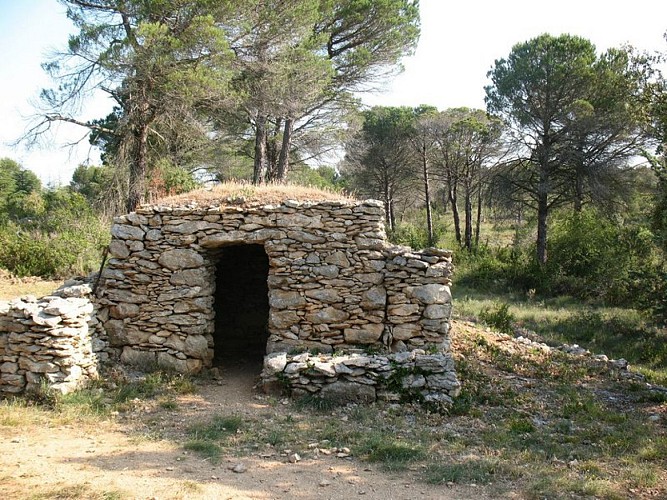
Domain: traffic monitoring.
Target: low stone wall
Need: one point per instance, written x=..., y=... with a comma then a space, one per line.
x=56, y=339
x=364, y=378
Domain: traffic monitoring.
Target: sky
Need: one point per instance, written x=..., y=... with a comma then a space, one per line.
x=459, y=43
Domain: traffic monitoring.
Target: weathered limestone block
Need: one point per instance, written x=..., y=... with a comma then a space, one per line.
x=374, y=298
x=438, y=311
x=201, y=304
x=328, y=295
x=431, y=294
x=37, y=366
x=446, y=381
x=367, y=334
x=116, y=333
x=120, y=295
x=190, y=277
x=329, y=271
x=413, y=381
x=281, y=299
x=180, y=259
x=124, y=310
x=327, y=315
x=9, y=367
x=299, y=220
x=338, y=258
x=441, y=269
x=403, y=309
x=136, y=357
x=118, y=248
x=435, y=363
x=406, y=331
x=125, y=232
x=196, y=346
x=348, y=392
x=168, y=362
x=42, y=319
x=283, y=319
x=191, y=227
x=275, y=363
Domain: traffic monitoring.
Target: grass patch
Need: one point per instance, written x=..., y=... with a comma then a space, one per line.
x=78, y=491
x=616, y=332
x=473, y=470
x=204, y=448
x=389, y=451
x=317, y=403
x=219, y=427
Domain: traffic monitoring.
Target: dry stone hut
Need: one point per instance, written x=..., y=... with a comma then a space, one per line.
x=219, y=275
x=309, y=288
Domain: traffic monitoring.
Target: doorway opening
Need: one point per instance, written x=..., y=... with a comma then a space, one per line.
x=241, y=306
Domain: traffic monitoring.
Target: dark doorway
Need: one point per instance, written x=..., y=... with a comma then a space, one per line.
x=241, y=305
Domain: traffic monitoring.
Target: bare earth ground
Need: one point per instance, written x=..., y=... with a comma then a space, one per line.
x=117, y=460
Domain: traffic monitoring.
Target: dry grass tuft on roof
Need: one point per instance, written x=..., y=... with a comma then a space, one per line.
x=246, y=194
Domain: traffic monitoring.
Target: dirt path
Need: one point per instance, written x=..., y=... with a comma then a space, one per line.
x=116, y=460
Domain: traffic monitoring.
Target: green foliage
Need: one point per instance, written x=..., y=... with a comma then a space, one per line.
x=49, y=233
x=316, y=403
x=592, y=258
x=207, y=449
x=480, y=471
x=391, y=452
x=499, y=318
x=219, y=427
x=35, y=253
x=415, y=235
x=583, y=115
x=321, y=177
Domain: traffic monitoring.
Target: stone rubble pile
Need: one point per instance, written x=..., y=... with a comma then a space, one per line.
x=364, y=378
x=54, y=339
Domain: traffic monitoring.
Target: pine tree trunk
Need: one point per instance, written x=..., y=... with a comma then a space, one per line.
x=427, y=195
x=455, y=213
x=283, y=160
x=578, y=192
x=467, y=240
x=478, y=221
x=260, y=163
x=388, y=208
x=542, y=215
x=138, y=168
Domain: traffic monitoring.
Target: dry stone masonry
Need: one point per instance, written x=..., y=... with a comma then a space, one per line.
x=332, y=281
x=364, y=378
x=55, y=339
x=311, y=285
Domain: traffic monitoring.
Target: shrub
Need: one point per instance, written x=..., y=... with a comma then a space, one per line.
x=498, y=317
x=50, y=255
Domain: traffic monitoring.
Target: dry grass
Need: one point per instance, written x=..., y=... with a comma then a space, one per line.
x=247, y=194
x=12, y=287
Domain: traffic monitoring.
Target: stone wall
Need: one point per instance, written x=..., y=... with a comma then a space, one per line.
x=54, y=339
x=334, y=283
x=364, y=378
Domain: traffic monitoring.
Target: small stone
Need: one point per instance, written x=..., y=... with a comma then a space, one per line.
x=324, y=482
x=293, y=458
x=238, y=468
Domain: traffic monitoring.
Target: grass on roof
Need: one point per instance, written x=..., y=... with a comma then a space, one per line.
x=246, y=194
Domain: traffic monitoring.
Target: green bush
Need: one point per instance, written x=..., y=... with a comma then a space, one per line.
x=51, y=255
x=498, y=317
